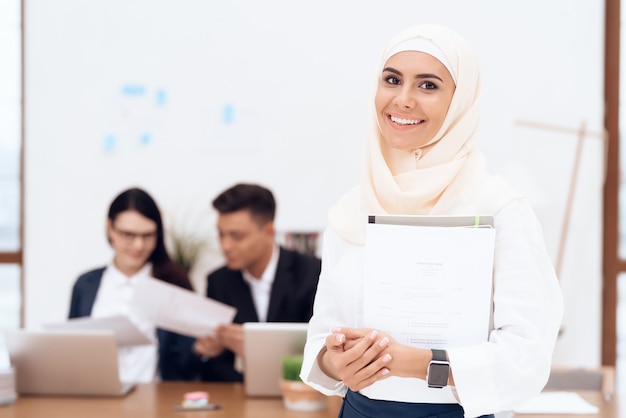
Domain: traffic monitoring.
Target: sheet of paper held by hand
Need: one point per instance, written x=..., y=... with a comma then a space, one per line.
x=429, y=287
x=126, y=332
x=179, y=310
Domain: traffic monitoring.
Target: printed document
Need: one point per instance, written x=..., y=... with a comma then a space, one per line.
x=180, y=310
x=429, y=286
x=557, y=403
x=126, y=332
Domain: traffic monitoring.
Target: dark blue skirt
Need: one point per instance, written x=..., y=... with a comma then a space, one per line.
x=356, y=405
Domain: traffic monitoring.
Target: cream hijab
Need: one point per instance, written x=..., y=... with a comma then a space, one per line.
x=447, y=176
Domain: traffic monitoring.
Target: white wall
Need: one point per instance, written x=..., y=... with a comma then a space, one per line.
x=275, y=92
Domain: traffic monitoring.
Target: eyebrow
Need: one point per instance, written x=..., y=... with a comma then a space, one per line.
x=418, y=76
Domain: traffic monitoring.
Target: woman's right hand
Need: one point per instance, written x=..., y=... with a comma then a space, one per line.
x=208, y=347
x=355, y=356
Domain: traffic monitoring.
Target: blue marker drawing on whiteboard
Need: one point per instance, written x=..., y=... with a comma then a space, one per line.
x=133, y=90
x=161, y=98
x=228, y=114
x=109, y=142
x=145, y=138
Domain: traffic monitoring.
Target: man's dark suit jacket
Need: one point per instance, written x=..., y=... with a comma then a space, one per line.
x=174, y=348
x=291, y=300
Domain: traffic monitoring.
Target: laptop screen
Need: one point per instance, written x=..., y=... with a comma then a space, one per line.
x=265, y=345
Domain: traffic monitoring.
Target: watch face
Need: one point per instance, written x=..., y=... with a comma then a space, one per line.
x=438, y=374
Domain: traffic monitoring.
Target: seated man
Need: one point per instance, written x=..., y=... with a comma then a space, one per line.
x=265, y=282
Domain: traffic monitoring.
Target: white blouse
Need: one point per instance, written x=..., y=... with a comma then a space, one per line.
x=137, y=364
x=498, y=375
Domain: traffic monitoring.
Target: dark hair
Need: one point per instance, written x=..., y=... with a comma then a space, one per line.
x=163, y=267
x=257, y=199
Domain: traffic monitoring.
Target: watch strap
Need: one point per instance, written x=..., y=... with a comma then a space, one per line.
x=439, y=355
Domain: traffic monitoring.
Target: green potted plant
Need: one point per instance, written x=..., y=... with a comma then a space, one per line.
x=297, y=395
x=185, y=235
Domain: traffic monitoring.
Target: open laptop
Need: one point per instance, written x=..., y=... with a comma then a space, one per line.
x=266, y=343
x=65, y=363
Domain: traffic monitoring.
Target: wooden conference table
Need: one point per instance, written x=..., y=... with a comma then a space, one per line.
x=157, y=400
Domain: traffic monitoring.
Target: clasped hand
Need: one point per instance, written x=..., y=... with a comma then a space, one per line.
x=358, y=357
x=228, y=336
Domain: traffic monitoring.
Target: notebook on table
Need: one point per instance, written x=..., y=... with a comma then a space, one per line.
x=266, y=343
x=66, y=363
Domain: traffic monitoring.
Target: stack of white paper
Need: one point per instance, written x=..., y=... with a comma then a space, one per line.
x=557, y=403
x=7, y=374
x=7, y=386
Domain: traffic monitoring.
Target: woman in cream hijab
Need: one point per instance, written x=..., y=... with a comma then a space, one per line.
x=421, y=159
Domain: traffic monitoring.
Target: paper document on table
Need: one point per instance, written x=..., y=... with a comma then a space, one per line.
x=557, y=403
x=126, y=332
x=429, y=286
x=180, y=310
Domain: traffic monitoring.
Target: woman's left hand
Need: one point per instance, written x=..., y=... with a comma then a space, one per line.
x=405, y=361
x=360, y=364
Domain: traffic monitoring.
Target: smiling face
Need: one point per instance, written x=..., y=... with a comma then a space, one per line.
x=412, y=99
x=133, y=238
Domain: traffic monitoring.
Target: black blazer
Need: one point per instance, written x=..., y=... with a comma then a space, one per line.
x=174, y=349
x=291, y=300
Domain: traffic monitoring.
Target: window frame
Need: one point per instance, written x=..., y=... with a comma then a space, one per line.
x=17, y=256
x=612, y=265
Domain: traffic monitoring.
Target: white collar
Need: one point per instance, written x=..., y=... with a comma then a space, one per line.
x=115, y=276
x=267, y=277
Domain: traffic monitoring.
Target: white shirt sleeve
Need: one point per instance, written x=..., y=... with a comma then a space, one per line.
x=514, y=365
x=337, y=303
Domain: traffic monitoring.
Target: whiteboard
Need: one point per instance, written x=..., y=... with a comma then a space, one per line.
x=185, y=98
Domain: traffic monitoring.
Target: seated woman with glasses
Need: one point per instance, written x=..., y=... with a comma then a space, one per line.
x=135, y=232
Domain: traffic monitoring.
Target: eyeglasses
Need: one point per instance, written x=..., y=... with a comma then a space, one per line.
x=130, y=236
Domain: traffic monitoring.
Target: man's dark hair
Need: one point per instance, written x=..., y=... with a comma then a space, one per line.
x=257, y=199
